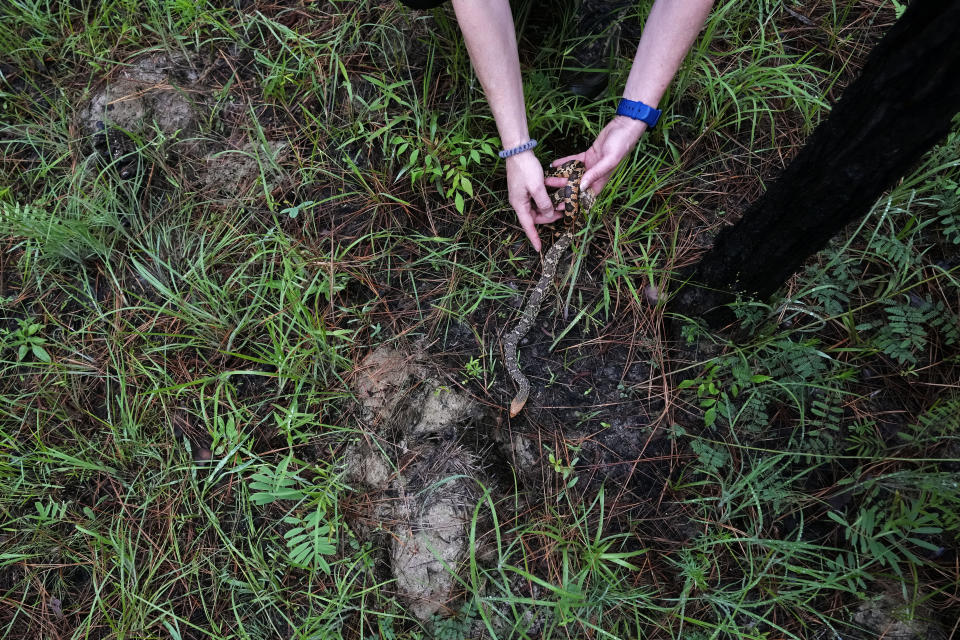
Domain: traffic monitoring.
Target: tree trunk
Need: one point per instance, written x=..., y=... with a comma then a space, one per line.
x=900, y=106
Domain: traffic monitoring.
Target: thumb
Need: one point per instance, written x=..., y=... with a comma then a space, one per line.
x=603, y=166
x=543, y=201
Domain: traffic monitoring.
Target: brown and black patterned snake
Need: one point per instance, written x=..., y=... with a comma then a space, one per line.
x=576, y=204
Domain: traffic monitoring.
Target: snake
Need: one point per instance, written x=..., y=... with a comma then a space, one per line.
x=576, y=203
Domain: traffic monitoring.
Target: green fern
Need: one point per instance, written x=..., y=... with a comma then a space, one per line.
x=864, y=440
x=796, y=363
x=310, y=538
x=939, y=421
x=817, y=435
x=270, y=484
x=836, y=281
x=949, y=211
x=899, y=515
x=908, y=327
x=312, y=535
x=945, y=322
x=899, y=254
x=885, y=536
x=752, y=417
x=711, y=457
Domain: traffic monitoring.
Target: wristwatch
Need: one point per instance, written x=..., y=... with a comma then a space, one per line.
x=638, y=111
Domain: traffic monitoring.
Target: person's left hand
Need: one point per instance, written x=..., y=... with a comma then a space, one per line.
x=525, y=184
x=616, y=140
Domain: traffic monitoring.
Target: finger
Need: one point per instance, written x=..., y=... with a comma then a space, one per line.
x=599, y=184
x=543, y=201
x=577, y=156
x=553, y=217
x=526, y=221
x=555, y=182
x=604, y=166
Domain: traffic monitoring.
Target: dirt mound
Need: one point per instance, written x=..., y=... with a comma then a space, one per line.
x=888, y=616
x=423, y=482
x=153, y=94
x=164, y=101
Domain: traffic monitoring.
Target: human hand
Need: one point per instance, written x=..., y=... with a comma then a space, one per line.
x=616, y=140
x=525, y=183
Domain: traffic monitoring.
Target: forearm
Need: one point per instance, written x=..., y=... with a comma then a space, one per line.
x=488, y=32
x=670, y=30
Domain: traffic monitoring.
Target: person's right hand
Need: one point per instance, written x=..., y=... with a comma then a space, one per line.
x=528, y=194
x=613, y=144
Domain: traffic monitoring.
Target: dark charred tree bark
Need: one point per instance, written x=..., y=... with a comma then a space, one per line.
x=900, y=106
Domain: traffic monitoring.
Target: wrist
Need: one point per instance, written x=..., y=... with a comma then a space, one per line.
x=521, y=157
x=515, y=140
x=632, y=128
x=638, y=110
x=510, y=151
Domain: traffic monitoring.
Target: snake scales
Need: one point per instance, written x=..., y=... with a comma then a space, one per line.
x=575, y=202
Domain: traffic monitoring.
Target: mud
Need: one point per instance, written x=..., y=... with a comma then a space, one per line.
x=423, y=483
x=886, y=615
x=155, y=94
x=599, y=402
x=165, y=106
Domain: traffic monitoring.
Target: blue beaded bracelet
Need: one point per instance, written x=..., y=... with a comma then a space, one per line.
x=638, y=111
x=526, y=146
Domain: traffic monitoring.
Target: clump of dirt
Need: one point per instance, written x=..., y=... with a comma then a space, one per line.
x=166, y=97
x=230, y=172
x=436, y=496
x=154, y=93
x=886, y=615
x=423, y=481
x=386, y=376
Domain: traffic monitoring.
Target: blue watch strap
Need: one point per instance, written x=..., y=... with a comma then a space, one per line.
x=638, y=111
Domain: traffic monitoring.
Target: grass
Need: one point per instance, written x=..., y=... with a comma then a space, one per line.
x=180, y=356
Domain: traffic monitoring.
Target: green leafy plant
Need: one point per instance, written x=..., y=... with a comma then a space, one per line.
x=310, y=538
x=294, y=209
x=50, y=512
x=949, y=210
x=473, y=370
x=272, y=483
x=292, y=422
x=312, y=534
x=907, y=327
x=565, y=469
x=26, y=339
x=446, y=163
x=225, y=434
x=890, y=532
x=937, y=423
x=711, y=395
x=711, y=457
x=709, y=392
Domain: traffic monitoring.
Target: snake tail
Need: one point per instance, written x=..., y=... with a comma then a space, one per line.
x=530, y=312
x=516, y=405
